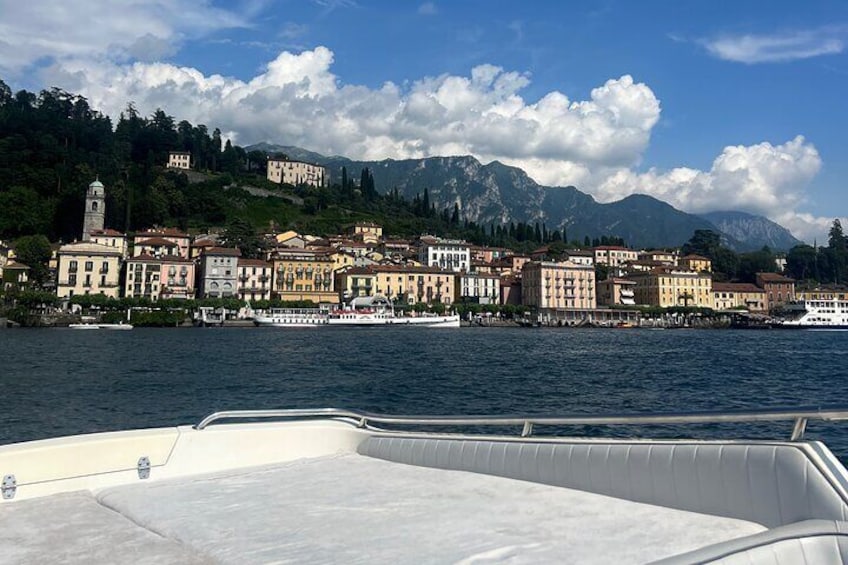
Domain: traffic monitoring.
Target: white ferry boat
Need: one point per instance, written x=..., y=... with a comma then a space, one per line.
x=292, y=318
x=816, y=314
x=95, y=326
x=379, y=311
x=333, y=486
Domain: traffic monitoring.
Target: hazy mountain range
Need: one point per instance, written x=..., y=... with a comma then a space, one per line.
x=499, y=193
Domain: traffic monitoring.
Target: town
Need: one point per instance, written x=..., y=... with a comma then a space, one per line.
x=553, y=284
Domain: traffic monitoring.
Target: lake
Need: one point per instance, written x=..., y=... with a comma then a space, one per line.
x=60, y=382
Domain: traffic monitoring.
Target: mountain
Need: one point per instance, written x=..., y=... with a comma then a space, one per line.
x=752, y=232
x=498, y=193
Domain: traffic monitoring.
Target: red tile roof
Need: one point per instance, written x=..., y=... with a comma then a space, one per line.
x=736, y=287
x=253, y=263
x=225, y=251
x=154, y=241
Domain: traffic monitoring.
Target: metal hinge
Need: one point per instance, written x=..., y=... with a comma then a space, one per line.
x=143, y=467
x=9, y=487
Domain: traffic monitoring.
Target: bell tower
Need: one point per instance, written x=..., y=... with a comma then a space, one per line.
x=95, y=209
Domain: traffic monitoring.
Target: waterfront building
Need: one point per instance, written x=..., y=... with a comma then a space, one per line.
x=696, y=263
x=614, y=255
x=304, y=274
x=179, y=160
x=254, y=279
x=95, y=209
x=181, y=241
x=447, y=254
x=179, y=278
x=88, y=268
x=218, y=276
x=413, y=284
x=14, y=275
x=395, y=247
x=669, y=286
x=478, y=287
x=287, y=171
x=735, y=296
x=616, y=292
x=367, y=232
x=482, y=267
x=561, y=285
x=354, y=282
x=110, y=238
x=779, y=289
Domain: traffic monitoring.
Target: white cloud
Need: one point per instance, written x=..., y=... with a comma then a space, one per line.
x=594, y=144
x=123, y=29
x=779, y=47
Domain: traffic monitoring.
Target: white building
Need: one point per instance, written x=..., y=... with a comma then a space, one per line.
x=219, y=272
x=285, y=171
x=447, y=254
x=179, y=160
x=482, y=288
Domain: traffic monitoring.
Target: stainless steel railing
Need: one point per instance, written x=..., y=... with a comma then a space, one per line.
x=800, y=417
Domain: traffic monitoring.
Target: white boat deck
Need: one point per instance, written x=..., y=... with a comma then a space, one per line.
x=350, y=508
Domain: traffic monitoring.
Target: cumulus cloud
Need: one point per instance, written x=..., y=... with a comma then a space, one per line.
x=779, y=47
x=123, y=29
x=595, y=144
x=427, y=9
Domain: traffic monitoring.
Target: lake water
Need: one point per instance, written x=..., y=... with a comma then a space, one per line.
x=60, y=382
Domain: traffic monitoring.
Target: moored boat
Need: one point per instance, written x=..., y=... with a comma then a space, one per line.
x=292, y=318
x=93, y=326
x=379, y=311
x=815, y=314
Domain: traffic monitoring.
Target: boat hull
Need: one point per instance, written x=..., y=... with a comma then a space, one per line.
x=424, y=321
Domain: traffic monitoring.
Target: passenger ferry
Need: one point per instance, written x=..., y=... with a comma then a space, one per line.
x=816, y=314
x=292, y=318
x=379, y=311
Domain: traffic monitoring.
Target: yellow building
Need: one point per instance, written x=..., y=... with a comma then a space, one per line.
x=696, y=263
x=179, y=160
x=403, y=284
x=806, y=295
x=254, y=279
x=303, y=274
x=734, y=296
x=666, y=287
x=614, y=255
x=354, y=282
x=110, y=238
x=616, y=292
x=367, y=232
x=659, y=256
x=295, y=172
x=563, y=285
x=88, y=268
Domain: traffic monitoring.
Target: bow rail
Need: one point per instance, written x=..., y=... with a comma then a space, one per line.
x=800, y=417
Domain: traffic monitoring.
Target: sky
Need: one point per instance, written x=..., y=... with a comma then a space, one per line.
x=705, y=105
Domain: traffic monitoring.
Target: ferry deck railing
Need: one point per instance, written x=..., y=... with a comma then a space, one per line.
x=799, y=417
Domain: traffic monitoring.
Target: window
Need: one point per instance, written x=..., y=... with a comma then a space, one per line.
x=72, y=267
x=72, y=279
x=89, y=265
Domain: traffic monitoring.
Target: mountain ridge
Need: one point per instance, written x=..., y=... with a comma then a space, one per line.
x=498, y=193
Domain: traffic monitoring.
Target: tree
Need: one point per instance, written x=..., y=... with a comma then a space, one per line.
x=801, y=262
x=454, y=220
x=34, y=252
x=240, y=234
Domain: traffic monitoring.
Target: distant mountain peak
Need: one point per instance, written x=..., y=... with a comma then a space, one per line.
x=752, y=232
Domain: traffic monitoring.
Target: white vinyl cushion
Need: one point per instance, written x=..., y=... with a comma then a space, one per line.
x=357, y=509
x=74, y=529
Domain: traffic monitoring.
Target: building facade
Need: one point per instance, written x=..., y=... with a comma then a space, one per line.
x=616, y=292
x=88, y=268
x=182, y=242
x=561, y=285
x=667, y=287
x=304, y=274
x=696, y=263
x=779, y=289
x=736, y=296
x=478, y=287
x=412, y=285
x=254, y=279
x=614, y=255
x=218, y=277
x=285, y=171
x=179, y=160
x=446, y=254
x=110, y=238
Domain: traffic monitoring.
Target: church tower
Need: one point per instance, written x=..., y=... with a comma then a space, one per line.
x=95, y=209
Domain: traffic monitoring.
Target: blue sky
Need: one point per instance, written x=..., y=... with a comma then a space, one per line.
x=705, y=105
